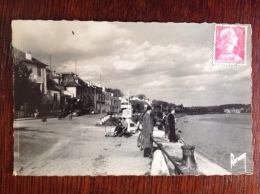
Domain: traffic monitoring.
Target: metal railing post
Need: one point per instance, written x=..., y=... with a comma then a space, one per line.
x=188, y=165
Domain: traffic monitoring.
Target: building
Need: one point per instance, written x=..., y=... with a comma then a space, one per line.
x=115, y=105
x=91, y=96
x=55, y=93
x=32, y=102
x=99, y=99
x=38, y=68
x=64, y=91
x=107, y=105
x=74, y=89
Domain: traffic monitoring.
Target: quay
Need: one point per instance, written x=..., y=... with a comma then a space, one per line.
x=79, y=147
x=204, y=165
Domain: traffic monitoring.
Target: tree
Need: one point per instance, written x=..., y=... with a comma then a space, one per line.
x=115, y=92
x=141, y=96
x=25, y=90
x=162, y=105
x=138, y=106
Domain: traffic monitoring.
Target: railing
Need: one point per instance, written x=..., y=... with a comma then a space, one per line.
x=176, y=165
x=188, y=165
x=104, y=119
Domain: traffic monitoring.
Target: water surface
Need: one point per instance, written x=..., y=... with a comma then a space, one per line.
x=216, y=136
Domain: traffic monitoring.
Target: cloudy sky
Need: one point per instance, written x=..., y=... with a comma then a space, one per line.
x=164, y=61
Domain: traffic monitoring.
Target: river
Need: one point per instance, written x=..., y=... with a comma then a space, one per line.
x=216, y=136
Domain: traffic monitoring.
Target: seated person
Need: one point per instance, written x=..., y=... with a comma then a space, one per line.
x=118, y=129
x=124, y=127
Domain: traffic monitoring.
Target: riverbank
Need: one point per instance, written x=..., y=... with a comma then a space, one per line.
x=217, y=136
x=204, y=165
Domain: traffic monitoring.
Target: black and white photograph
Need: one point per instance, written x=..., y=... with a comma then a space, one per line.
x=124, y=98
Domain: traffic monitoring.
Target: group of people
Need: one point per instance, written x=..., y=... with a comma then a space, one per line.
x=121, y=128
x=169, y=126
x=146, y=126
x=147, y=131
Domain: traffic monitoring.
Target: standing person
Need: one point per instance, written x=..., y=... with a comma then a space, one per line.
x=36, y=113
x=171, y=120
x=148, y=132
x=140, y=136
x=59, y=115
x=70, y=115
x=166, y=125
x=44, y=119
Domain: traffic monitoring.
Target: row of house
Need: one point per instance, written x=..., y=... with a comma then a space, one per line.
x=66, y=91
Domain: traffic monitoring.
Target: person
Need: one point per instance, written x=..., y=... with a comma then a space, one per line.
x=138, y=125
x=36, y=113
x=166, y=125
x=63, y=113
x=226, y=46
x=59, y=115
x=70, y=115
x=147, y=133
x=118, y=129
x=140, y=136
x=171, y=120
x=124, y=127
x=44, y=119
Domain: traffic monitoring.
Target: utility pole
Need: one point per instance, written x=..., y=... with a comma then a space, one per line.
x=50, y=61
x=75, y=66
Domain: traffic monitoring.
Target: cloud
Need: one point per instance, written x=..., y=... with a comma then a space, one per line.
x=171, y=62
x=153, y=84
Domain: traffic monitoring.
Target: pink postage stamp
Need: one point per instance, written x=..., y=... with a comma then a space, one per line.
x=229, y=44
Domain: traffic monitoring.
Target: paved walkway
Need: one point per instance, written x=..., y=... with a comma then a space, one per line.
x=76, y=147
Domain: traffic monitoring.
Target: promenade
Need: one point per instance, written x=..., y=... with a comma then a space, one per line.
x=74, y=147
x=79, y=147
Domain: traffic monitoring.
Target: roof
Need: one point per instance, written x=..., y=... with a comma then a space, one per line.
x=69, y=80
x=20, y=55
x=53, y=85
x=82, y=83
x=55, y=88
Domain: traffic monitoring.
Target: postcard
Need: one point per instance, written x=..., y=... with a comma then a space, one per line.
x=124, y=98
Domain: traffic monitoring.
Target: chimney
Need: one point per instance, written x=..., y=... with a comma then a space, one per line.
x=28, y=56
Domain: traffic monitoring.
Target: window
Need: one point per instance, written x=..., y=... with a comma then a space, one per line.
x=39, y=72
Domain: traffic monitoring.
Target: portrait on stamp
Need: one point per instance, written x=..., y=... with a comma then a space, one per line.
x=230, y=45
x=123, y=98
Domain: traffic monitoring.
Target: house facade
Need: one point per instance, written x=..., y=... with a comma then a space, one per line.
x=115, y=105
x=38, y=68
x=38, y=76
x=65, y=91
x=107, y=105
